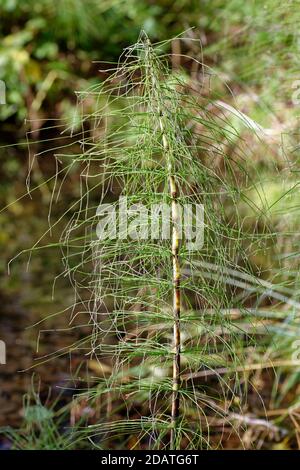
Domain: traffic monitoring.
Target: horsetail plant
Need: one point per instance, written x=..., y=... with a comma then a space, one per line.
x=148, y=249
x=175, y=250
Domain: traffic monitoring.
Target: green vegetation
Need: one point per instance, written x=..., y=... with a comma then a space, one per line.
x=200, y=107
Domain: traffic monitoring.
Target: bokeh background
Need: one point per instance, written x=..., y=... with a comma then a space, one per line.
x=50, y=50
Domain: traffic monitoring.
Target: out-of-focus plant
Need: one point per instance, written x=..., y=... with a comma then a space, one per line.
x=46, y=48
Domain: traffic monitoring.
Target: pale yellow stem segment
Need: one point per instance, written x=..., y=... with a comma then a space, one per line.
x=176, y=292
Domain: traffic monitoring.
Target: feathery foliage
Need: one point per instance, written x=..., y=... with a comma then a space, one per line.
x=150, y=125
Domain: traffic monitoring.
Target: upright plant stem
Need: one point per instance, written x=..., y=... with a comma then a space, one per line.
x=176, y=312
x=175, y=400
x=176, y=292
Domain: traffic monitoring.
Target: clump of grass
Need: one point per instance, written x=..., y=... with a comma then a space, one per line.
x=45, y=426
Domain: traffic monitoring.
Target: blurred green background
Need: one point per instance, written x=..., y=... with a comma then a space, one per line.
x=50, y=50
